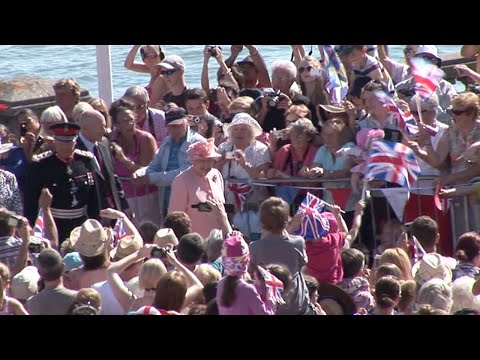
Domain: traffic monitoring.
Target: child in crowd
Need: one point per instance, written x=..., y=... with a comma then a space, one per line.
x=364, y=138
x=354, y=281
x=235, y=296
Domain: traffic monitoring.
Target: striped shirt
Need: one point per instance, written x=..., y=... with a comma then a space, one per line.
x=9, y=249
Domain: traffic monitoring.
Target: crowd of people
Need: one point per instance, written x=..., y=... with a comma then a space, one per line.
x=176, y=200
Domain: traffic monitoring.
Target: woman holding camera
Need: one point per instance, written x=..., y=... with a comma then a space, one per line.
x=151, y=56
x=200, y=183
x=244, y=158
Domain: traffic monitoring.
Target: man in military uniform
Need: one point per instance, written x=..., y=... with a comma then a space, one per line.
x=68, y=174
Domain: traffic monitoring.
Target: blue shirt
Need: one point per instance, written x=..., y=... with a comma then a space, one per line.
x=172, y=164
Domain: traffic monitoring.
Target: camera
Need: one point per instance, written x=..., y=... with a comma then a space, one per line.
x=202, y=207
x=34, y=247
x=211, y=49
x=23, y=129
x=474, y=88
x=158, y=252
x=14, y=221
x=275, y=98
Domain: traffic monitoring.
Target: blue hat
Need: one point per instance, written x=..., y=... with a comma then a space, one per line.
x=72, y=261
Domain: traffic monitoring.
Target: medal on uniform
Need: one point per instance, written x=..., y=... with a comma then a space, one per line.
x=73, y=191
x=69, y=170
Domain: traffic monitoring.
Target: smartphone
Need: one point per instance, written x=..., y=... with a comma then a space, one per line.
x=202, y=207
x=230, y=155
x=229, y=208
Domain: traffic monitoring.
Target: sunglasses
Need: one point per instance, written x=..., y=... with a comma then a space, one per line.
x=408, y=51
x=150, y=55
x=168, y=72
x=302, y=69
x=457, y=112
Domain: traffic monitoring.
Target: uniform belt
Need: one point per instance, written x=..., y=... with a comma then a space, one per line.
x=69, y=213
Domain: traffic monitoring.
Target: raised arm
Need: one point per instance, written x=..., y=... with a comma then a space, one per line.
x=205, y=82
x=123, y=295
x=133, y=65
x=50, y=228
x=259, y=62
x=117, y=214
x=384, y=59
x=298, y=53
x=357, y=222
x=234, y=51
x=193, y=283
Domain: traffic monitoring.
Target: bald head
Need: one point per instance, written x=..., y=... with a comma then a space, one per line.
x=92, y=124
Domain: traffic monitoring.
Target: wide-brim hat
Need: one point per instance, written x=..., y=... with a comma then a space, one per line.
x=243, y=119
x=430, y=51
x=329, y=291
x=334, y=109
x=203, y=150
x=164, y=237
x=89, y=239
x=432, y=266
x=126, y=246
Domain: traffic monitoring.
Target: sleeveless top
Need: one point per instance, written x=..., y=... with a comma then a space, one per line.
x=122, y=171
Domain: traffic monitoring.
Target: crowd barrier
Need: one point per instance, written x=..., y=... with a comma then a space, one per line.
x=460, y=214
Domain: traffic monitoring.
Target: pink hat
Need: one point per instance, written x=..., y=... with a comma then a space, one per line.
x=365, y=136
x=235, y=255
x=203, y=150
x=332, y=221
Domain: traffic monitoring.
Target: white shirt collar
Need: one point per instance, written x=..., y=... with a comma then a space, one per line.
x=88, y=144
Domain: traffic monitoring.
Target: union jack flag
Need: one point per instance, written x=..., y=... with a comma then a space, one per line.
x=119, y=231
x=417, y=250
x=393, y=162
x=313, y=225
x=336, y=84
x=240, y=193
x=274, y=286
x=427, y=76
x=406, y=122
x=38, y=228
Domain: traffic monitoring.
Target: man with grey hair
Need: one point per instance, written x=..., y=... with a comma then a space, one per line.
x=147, y=118
x=170, y=158
x=108, y=186
x=276, y=101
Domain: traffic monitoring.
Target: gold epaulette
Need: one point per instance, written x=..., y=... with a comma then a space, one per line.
x=87, y=154
x=42, y=156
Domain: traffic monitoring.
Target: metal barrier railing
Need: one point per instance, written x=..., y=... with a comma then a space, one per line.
x=453, y=223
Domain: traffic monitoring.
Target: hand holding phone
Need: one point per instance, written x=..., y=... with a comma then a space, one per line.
x=202, y=207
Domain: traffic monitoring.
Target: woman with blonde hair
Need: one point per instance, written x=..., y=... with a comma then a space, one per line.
x=400, y=258
x=312, y=81
x=150, y=273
